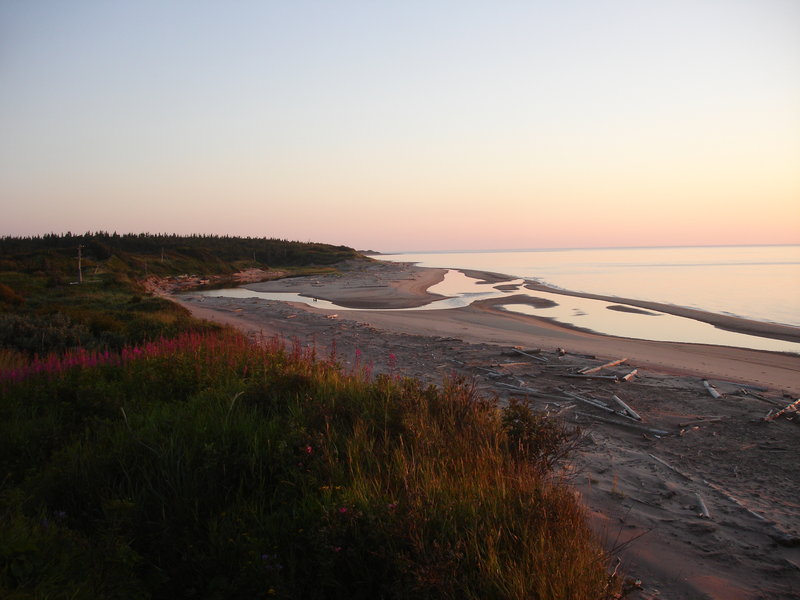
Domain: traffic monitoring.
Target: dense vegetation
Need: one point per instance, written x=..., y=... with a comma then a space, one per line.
x=43, y=309
x=197, y=464
x=166, y=253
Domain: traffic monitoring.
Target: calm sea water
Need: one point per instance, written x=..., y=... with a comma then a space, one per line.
x=755, y=282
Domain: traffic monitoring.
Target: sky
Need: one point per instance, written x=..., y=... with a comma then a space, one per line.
x=414, y=125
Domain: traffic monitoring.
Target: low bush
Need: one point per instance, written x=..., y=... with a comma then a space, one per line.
x=9, y=296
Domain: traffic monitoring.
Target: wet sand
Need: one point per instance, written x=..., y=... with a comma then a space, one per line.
x=717, y=449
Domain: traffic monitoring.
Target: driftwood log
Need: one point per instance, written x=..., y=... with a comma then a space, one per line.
x=791, y=408
x=613, y=363
x=540, y=359
x=711, y=389
x=626, y=408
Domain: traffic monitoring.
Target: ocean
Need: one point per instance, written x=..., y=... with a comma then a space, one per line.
x=761, y=283
x=755, y=282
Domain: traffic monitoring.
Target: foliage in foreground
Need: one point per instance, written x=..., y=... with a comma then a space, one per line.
x=207, y=467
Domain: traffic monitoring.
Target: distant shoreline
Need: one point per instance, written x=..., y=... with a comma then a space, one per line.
x=728, y=281
x=379, y=284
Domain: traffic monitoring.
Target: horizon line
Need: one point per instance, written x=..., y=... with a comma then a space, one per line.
x=562, y=248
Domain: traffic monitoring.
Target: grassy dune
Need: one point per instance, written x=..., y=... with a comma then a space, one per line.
x=187, y=462
x=206, y=466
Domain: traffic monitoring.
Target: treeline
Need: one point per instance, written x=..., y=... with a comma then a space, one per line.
x=102, y=245
x=59, y=292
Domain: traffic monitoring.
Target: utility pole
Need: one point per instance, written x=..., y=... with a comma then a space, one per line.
x=80, y=272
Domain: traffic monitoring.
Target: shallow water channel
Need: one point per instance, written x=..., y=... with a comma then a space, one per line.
x=593, y=315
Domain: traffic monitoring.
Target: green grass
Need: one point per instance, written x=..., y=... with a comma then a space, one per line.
x=208, y=467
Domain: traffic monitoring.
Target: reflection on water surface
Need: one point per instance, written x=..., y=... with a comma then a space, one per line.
x=594, y=315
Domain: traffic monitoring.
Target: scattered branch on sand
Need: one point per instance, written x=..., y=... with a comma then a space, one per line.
x=745, y=386
x=790, y=408
x=584, y=376
x=518, y=388
x=626, y=408
x=540, y=359
x=532, y=392
x=703, y=421
x=711, y=389
x=630, y=375
x=491, y=373
x=613, y=363
x=658, y=432
x=760, y=397
x=596, y=403
x=736, y=501
x=702, y=506
x=670, y=467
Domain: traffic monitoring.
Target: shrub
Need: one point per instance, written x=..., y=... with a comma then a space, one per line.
x=42, y=333
x=205, y=466
x=9, y=296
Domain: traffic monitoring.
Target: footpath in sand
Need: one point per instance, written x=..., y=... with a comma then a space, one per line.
x=698, y=499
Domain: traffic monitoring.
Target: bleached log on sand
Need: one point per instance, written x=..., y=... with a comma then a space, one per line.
x=711, y=389
x=540, y=359
x=702, y=506
x=584, y=376
x=613, y=363
x=626, y=408
x=659, y=432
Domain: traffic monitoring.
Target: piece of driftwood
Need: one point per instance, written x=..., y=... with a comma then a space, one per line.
x=585, y=376
x=540, y=359
x=518, y=388
x=670, y=467
x=790, y=408
x=613, y=363
x=701, y=421
x=711, y=389
x=630, y=375
x=636, y=426
x=626, y=408
x=589, y=401
x=745, y=386
x=736, y=501
x=702, y=506
x=490, y=372
x=531, y=392
x=751, y=394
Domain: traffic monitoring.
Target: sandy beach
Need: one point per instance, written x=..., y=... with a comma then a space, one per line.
x=646, y=483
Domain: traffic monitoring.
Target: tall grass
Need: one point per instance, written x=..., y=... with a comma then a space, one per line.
x=209, y=467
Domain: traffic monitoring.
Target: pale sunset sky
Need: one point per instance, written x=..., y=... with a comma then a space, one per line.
x=413, y=125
